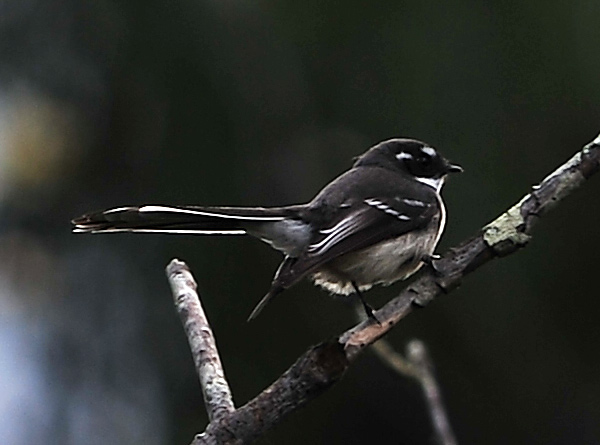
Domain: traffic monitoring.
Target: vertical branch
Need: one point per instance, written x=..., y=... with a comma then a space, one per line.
x=417, y=354
x=215, y=389
x=418, y=365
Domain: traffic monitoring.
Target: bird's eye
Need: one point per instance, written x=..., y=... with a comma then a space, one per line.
x=425, y=160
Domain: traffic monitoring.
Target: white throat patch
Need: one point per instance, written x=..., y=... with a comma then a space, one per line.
x=435, y=183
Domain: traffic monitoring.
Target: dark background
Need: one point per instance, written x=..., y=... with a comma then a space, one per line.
x=262, y=102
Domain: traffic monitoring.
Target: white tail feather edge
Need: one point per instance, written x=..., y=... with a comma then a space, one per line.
x=173, y=231
x=154, y=208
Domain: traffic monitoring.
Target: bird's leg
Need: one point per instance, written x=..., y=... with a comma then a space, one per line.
x=368, y=309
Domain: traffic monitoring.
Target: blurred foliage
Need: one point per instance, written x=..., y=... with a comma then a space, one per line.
x=105, y=103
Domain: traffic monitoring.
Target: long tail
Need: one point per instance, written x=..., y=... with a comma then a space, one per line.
x=268, y=224
x=185, y=220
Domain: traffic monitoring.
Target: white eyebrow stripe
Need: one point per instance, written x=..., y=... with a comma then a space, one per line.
x=414, y=202
x=429, y=151
x=154, y=208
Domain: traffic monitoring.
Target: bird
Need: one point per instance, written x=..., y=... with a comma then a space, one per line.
x=375, y=224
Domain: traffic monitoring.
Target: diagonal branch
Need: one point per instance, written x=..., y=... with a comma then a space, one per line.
x=323, y=365
x=503, y=236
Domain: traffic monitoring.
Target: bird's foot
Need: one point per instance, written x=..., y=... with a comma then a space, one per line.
x=431, y=260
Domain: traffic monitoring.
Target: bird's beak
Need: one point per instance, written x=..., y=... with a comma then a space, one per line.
x=454, y=168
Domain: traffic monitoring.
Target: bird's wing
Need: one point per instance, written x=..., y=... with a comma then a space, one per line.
x=364, y=224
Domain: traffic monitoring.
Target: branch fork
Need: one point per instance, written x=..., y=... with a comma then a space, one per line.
x=323, y=365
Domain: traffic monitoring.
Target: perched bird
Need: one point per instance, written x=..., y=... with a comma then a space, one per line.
x=377, y=223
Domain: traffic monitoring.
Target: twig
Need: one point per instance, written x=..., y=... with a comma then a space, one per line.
x=418, y=365
x=323, y=365
x=215, y=389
